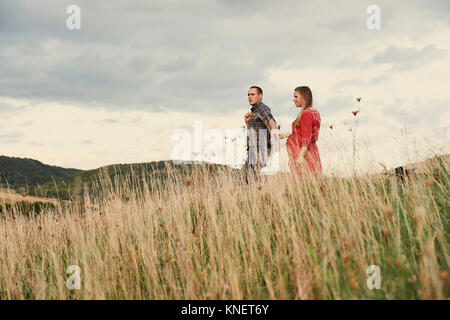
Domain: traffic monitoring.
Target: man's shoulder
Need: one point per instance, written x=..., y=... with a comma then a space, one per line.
x=264, y=105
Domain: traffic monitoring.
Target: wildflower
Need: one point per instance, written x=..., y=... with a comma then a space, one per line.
x=173, y=260
x=412, y=279
x=358, y=99
x=187, y=181
x=443, y=275
x=387, y=210
x=227, y=288
x=345, y=257
x=355, y=112
x=127, y=198
x=208, y=296
x=418, y=214
x=353, y=283
x=352, y=280
x=348, y=242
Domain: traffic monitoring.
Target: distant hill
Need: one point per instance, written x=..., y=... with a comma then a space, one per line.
x=36, y=178
x=23, y=172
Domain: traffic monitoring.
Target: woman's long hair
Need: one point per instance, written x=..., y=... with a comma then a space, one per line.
x=306, y=94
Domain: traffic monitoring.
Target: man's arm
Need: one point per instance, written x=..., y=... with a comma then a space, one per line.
x=272, y=124
x=266, y=114
x=247, y=118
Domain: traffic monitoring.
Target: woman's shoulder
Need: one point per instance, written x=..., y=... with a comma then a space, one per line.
x=312, y=114
x=311, y=110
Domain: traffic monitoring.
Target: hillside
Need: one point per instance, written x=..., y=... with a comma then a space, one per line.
x=23, y=172
x=31, y=177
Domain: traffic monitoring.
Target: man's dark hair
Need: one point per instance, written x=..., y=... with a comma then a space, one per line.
x=257, y=88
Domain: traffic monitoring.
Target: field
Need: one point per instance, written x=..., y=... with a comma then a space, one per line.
x=12, y=197
x=211, y=236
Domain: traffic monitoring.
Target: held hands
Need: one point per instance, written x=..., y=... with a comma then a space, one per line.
x=300, y=161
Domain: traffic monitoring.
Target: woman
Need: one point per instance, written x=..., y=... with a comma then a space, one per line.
x=301, y=144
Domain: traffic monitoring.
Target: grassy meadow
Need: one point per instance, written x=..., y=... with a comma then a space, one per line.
x=207, y=235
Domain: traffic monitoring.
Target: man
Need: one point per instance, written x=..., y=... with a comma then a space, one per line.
x=259, y=121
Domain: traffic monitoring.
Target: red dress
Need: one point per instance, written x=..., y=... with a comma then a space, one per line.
x=307, y=134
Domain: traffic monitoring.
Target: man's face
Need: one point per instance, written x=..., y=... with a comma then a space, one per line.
x=254, y=96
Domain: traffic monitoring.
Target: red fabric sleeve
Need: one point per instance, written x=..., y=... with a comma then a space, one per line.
x=306, y=124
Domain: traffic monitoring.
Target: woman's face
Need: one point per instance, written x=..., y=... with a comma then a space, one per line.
x=298, y=99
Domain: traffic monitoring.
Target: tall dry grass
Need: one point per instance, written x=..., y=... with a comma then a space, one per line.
x=202, y=235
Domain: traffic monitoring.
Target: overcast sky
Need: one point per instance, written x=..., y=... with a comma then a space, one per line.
x=115, y=90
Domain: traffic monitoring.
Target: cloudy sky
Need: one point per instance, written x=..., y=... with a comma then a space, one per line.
x=116, y=90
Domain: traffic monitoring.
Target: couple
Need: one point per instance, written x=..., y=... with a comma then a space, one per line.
x=301, y=142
